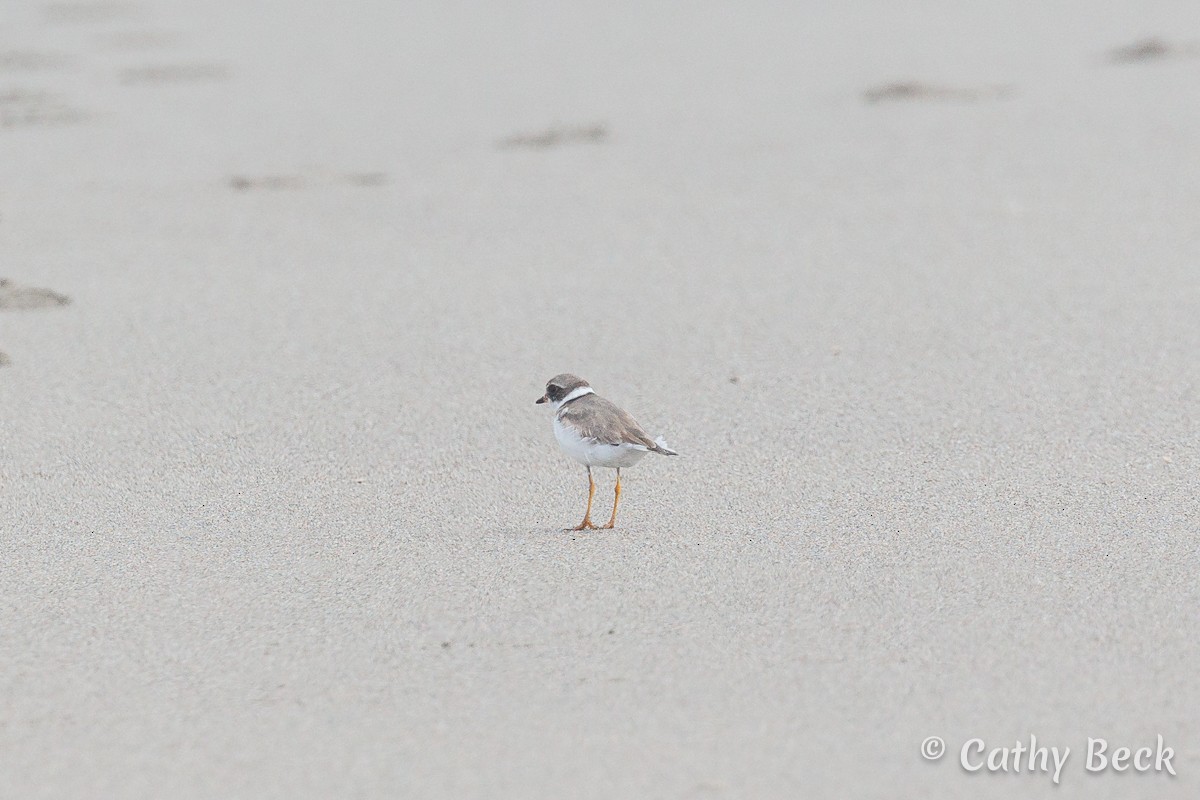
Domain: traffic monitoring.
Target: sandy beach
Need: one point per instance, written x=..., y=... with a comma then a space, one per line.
x=915, y=292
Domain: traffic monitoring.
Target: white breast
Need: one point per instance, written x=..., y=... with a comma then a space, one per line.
x=594, y=454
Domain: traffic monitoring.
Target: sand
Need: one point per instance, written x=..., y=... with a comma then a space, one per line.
x=914, y=291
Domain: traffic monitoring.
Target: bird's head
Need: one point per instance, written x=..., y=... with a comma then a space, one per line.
x=564, y=387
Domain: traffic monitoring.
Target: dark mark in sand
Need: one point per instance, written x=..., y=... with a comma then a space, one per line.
x=587, y=134
x=1152, y=50
x=241, y=183
x=175, y=73
x=31, y=61
x=244, y=183
x=367, y=178
x=23, y=108
x=25, y=298
x=914, y=91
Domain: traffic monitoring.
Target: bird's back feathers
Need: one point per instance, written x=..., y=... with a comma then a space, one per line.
x=607, y=423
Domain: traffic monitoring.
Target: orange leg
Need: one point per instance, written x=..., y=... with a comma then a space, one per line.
x=612, y=521
x=587, y=515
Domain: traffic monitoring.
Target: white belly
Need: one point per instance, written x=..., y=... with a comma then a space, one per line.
x=594, y=454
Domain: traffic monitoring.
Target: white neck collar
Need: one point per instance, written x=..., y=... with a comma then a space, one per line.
x=573, y=394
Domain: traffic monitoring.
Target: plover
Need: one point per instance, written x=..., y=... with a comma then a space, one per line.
x=597, y=433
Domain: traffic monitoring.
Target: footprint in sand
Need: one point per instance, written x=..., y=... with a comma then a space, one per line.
x=554, y=137
x=367, y=178
x=913, y=91
x=26, y=298
x=31, y=61
x=1153, y=50
x=242, y=183
x=175, y=74
x=245, y=183
x=21, y=108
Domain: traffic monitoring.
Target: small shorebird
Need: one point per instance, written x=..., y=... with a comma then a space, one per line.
x=597, y=433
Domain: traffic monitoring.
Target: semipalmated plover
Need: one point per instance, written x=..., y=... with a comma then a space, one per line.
x=597, y=433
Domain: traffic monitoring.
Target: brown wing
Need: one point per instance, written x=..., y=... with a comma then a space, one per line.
x=605, y=422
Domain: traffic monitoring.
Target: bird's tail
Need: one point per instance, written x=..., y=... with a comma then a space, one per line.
x=660, y=447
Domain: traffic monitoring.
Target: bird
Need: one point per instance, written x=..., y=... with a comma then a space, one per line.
x=597, y=433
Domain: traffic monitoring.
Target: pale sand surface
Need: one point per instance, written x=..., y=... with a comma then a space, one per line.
x=280, y=518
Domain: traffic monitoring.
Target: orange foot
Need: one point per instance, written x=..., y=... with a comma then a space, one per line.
x=586, y=525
